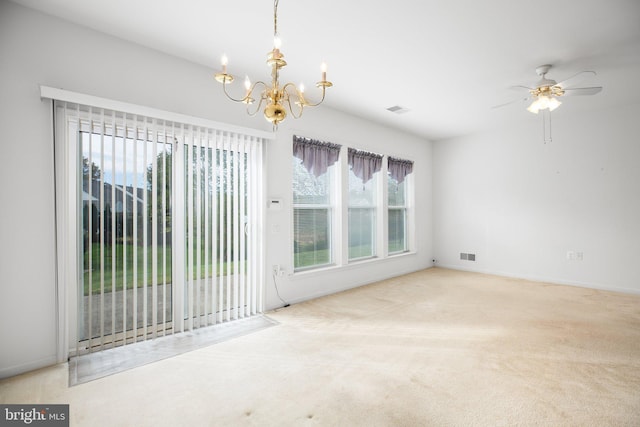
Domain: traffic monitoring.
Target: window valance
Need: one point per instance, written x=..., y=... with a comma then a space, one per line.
x=399, y=168
x=364, y=164
x=317, y=156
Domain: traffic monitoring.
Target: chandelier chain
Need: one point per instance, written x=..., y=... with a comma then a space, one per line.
x=275, y=17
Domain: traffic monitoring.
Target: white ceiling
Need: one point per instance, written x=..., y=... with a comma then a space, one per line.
x=448, y=61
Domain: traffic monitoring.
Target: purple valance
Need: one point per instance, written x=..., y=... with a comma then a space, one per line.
x=364, y=164
x=317, y=156
x=399, y=169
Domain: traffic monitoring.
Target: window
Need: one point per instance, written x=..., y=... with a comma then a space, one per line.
x=363, y=197
x=313, y=175
x=397, y=223
x=397, y=204
x=350, y=208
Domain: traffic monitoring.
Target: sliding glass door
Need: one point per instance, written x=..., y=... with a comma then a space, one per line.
x=165, y=219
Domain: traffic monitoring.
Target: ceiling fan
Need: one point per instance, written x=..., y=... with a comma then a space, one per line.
x=546, y=92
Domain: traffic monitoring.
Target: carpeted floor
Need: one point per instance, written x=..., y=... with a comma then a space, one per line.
x=436, y=347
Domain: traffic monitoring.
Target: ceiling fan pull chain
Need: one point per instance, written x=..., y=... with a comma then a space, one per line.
x=546, y=126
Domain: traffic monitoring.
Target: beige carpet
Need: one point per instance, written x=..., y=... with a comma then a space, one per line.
x=437, y=347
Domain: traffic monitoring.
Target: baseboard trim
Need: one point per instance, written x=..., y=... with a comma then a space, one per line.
x=544, y=279
x=359, y=284
x=23, y=368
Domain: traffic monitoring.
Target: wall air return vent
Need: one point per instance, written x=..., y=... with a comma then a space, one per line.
x=398, y=109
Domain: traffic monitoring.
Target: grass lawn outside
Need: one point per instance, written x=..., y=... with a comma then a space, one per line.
x=95, y=278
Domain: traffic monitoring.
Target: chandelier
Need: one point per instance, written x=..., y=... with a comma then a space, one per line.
x=276, y=98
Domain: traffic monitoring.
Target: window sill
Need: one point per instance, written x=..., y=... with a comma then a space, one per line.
x=351, y=266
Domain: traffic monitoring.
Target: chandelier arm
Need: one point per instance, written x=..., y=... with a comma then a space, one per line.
x=253, y=87
x=301, y=102
x=319, y=102
x=293, y=112
x=224, y=88
x=247, y=98
x=258, y=107
x=263, y=98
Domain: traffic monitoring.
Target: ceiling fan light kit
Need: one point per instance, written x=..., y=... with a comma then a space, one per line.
x=545, y=93
x=276, y=98
x=544, y=100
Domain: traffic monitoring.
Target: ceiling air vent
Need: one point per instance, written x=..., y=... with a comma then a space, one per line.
x=398, y=109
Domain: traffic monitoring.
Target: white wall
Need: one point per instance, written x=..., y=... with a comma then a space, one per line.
x=38, y=49
x=521, y=205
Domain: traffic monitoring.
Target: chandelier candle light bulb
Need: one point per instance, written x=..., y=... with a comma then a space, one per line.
x=224, y=61
x=277, y=42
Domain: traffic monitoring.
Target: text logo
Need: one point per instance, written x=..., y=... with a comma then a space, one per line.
x=34, y=415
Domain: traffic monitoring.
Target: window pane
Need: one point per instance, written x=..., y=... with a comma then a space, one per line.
x=307, y=189
x=396, y=192
x=312, y=217
x=311, y=240
x=361, y=194
x=117, y=208
x=362, y=239
x=397, y=230
x=362, y=218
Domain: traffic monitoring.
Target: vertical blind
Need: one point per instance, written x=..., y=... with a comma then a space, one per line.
x=167, y=221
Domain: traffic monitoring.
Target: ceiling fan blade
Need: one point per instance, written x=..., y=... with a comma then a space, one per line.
x=511, y=102
x=520, y=87
x=579, y=91
x=576, y=78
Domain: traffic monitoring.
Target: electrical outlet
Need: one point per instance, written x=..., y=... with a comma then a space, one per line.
x=278, y=270
x=575, y=256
